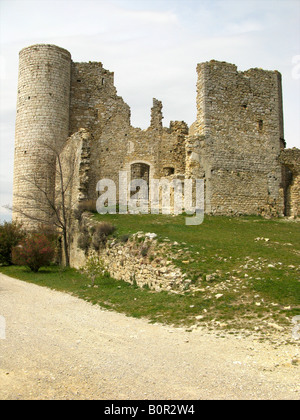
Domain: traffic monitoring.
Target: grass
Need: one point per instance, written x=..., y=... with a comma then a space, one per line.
x=110, y=293
x=253, y=263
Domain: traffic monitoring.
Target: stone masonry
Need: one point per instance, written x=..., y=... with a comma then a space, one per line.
x=140, y=259
x=42, y=127
x=240, y=122
x=291, y=159
x=236, y=145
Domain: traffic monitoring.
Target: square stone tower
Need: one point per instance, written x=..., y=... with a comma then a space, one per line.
x=240, y=136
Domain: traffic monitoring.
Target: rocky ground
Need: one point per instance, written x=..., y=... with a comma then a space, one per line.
x=56, y=346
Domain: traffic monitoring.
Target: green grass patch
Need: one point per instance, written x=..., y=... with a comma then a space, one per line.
x=245, y=272
x=113, y=294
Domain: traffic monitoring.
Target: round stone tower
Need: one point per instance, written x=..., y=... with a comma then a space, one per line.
x=42, y=127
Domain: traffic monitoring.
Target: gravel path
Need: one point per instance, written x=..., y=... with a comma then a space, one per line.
x=59, y=347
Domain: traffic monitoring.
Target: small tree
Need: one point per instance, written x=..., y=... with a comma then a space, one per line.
x=93, y=268
x=11, y=234
x=48, y=201
x=35, y=251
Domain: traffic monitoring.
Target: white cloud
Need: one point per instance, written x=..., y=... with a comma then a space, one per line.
x=243, y=27
x=148, y=16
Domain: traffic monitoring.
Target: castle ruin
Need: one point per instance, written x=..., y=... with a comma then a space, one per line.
x=236, y=145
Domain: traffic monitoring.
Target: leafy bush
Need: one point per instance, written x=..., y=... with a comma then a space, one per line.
x=35, y=251
x=11, y=234
x=94, y=267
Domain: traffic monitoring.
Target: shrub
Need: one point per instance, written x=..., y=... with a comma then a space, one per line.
x=88, y=205
x=95, y=237
x=102, y=231
x=93, y=268
x=144, y=250
x=35, y=251
x=11, y=234
x=124, y=238
x=106, y=228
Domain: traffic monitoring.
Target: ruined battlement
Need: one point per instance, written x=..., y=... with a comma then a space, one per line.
x=235, y=144
x=240, y=114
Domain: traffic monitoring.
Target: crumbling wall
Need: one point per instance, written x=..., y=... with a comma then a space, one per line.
x=74, y=167
x=95, y=105
x=139, y=259
x=291, y=159
x=117, y=145
x=91, y=88
x=240, y=115
x=234, y=145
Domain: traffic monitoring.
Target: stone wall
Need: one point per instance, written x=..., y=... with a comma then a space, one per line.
x=91, y=89
x=142, y=263
x=291, y=159
x=234, y=145
x=73, y=168
x=240, y=116
x=139, y=259
x=121, y=145
x=116, y=144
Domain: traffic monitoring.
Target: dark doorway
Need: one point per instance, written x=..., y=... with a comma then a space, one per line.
x=287, y=178
x=140, y=170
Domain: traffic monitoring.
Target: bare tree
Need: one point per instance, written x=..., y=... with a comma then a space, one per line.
x=48, y=198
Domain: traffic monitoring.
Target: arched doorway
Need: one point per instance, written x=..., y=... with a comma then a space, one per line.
x=140, y=170
x=139, y=188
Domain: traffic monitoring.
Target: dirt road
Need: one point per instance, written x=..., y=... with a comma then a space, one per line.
x=56, y=346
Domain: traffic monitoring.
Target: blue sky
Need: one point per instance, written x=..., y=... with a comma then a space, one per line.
x=153, y=48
